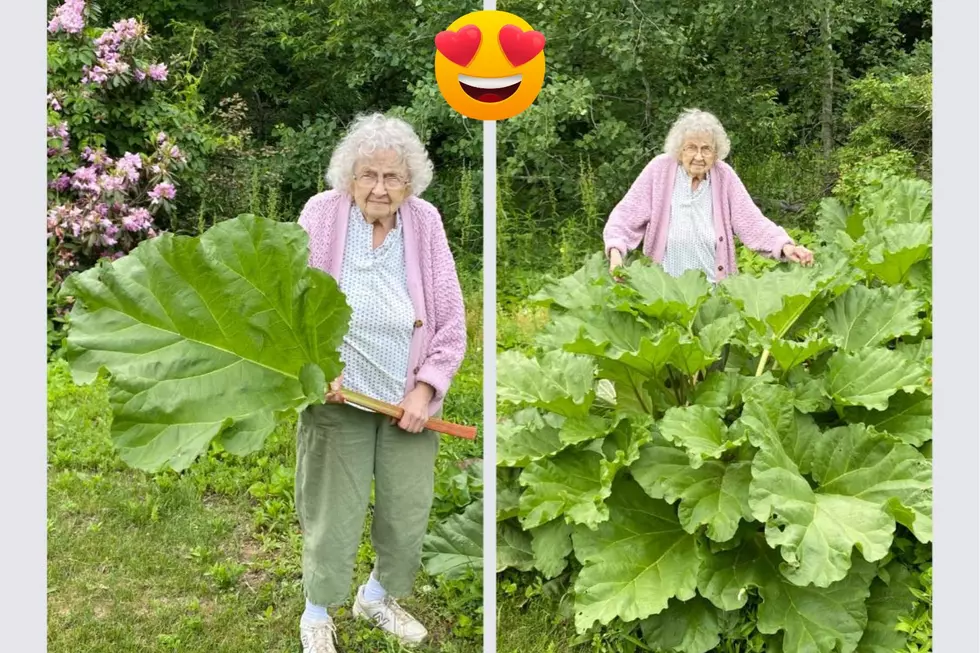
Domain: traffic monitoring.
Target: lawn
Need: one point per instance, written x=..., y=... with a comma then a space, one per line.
x=209, y=560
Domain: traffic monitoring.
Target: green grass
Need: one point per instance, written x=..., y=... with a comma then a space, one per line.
x=209, y=559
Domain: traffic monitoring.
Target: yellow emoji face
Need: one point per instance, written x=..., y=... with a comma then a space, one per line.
x=490, y=65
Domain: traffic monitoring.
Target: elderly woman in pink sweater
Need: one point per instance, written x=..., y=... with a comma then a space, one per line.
x=388, y=251
x=687, y=206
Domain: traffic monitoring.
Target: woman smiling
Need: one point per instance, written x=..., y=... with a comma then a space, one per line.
x=688, y=205
x=388, y=251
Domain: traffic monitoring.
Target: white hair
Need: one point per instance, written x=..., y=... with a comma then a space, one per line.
x=370, y=134
x=695, y=121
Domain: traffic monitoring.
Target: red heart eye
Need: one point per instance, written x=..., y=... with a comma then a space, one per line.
x=459, y=47
x=520, y=47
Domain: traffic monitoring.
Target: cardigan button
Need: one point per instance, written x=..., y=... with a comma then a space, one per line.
x=418, y=324
x=721, y=267
x=416, y=370
x=721, y=239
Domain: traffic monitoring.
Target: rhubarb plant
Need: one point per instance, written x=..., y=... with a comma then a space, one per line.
x=208, y=338
x=681, y=490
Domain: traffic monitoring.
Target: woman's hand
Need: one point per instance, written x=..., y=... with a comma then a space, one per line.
x=798, y=254
x=615, y=259
x=416, y=406
x=334, y=395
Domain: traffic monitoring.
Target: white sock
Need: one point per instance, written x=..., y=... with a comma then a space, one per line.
x=315, y=613
x=373, y=591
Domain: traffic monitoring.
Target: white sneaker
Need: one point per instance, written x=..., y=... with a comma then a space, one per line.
x=391, y=617
x=318, y=636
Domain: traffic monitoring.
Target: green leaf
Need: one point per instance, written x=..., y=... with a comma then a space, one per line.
x=908, y=418
x=667, y=298
x=870, y=376
x=852, y=461
x=527, y=436
x=789, y=353
x=815, y=619
x=775, y=300
x=859, y=476
x=455, y=545
x=888, y=602
x=551, y=544
x=693, y=626
x=725, y=578
x=899, y=248
x=207, y=338
x=573, y=483
x=586, y=288
x=619, y=337
x=715, y=495
x=513, y=547
x=635, y=562
x=865, y=317
x=700, y=431
x=715, y=335
x=560, y=382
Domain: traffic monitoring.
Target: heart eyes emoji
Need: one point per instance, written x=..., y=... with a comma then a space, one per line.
x=459, y=47
x=518, y=46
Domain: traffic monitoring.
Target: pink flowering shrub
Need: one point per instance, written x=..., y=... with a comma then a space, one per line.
x=112, y=171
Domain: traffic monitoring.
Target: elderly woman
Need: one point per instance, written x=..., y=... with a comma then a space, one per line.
x=688, y=205
x=388, y=251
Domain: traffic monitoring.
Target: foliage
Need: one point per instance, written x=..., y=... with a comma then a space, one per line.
x=221, y=335
x=692, y=504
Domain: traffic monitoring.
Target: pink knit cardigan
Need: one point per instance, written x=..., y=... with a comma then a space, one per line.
x=439, y=342
x=644, y=214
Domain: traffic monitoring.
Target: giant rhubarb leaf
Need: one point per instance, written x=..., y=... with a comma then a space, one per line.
x=907, y=418
x=455, y=545
x=888, y=602
x=588, y=287
x=865, y=317
x=716, y=494
x=661, y=296
x=551, y=545
x=635, y=562
x=815, y=619
x=572, y=483
x=207, y=338
x=560, y=382
x=691, y=626
x=811, y=619
x=865, y=482
x=870, y=376
x=700, y=431
x=527, y=436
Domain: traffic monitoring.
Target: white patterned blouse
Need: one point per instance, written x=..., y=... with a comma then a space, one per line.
x=691, y=233
x=375, y=350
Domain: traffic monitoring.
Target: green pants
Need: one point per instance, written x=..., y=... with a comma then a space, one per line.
x=339, y=450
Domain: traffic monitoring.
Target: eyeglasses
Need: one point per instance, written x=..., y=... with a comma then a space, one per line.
x=370, y=180
x=705, y=150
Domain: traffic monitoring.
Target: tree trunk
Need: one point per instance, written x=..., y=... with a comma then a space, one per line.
x=827, y=92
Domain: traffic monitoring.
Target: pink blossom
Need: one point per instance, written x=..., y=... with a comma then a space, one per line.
x=130, y=165
x=112, y=183
x=162, y=191
x=53, y=102
x=68, y=18
x=158, y=72
x=161, y=137
x=61, y=184
x=137, y=220
x=139, y=75
x=84, y=179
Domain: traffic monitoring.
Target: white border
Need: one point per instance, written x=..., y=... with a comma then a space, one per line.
x=489, y=379
x=956, y=355
x=23, y=544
